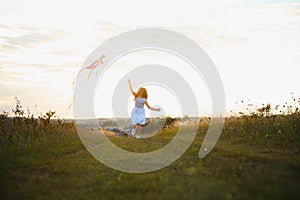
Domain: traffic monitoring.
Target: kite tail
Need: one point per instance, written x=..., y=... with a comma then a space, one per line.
x=73, y=82
x=89, y=67
x=71, y=101
x=90, y=74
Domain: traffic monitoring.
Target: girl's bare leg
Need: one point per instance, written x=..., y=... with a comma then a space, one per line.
x=139, y=130
x=134, y=129
x=134, y=125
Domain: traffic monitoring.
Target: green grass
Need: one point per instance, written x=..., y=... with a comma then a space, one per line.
x=255, y=158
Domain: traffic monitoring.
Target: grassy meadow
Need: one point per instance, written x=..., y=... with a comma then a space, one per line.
x=256, y=157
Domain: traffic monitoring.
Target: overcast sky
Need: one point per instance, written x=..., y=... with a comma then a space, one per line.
x=254, y=45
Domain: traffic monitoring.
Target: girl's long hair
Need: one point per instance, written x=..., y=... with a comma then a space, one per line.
x=142, y=93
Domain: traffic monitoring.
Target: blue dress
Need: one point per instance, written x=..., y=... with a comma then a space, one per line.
x=138, y=112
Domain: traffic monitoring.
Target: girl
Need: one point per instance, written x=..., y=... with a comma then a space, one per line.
x=138, y=112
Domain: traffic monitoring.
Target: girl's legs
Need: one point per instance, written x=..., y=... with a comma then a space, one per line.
x=139, y=130
x=134, y=125
x=134, y=129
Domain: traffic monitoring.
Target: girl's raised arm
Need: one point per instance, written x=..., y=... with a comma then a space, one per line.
x=130, y=86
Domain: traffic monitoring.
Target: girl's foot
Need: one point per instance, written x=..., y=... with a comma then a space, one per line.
x=138, y=137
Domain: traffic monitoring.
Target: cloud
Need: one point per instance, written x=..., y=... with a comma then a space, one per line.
x=8, y=48
x=2, y=26
x=240, y=24
x=32, y=28
x=53, y=75
x=62, y=52
x=30, y=39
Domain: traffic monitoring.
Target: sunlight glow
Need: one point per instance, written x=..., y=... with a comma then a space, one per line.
x=254, y=45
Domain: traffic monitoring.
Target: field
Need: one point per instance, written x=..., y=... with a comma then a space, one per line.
x=256, y=157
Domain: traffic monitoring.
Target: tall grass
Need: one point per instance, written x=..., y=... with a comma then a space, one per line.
x=23, y=132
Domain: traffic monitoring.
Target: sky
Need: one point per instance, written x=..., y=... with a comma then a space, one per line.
x=43, y=44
